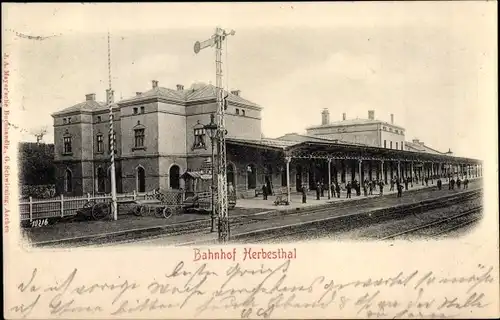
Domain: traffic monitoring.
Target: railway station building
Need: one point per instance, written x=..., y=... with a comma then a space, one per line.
x=160, y=138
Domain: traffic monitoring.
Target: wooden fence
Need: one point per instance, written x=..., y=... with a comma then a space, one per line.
x=68, y=206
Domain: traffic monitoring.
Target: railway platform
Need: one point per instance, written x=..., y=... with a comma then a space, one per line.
x=352, y=208
x=296, y=198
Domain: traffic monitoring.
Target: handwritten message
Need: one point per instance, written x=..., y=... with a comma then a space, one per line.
x=265, y=292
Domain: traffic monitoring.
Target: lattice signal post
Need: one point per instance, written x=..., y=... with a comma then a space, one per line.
x=110, y=100
x=222, y=197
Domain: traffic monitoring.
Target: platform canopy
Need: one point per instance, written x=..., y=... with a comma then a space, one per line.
x=335, y=150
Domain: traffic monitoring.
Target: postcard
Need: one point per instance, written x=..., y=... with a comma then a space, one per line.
x=283, y=160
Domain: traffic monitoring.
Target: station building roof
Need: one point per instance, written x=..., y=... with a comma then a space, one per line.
x=353, y=122
x=88, y=106
x=197, y=93
x=420, y=147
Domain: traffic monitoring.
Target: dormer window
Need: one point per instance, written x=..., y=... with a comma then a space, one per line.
x=199, y=136
x=142, y=109
x=99, y=119
x=135, y=110
x=243, y=112
x=69, y=120
x=237, y=111
x=64, y=121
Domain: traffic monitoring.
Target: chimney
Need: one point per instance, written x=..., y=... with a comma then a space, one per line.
x=343, y=116
x=110, y=96
x=90, y=97
x=236, y=92
x=180, y=87
x=138, y=93
x=371, y=114
x=325, y=117
x=392, y=118
x=155, y=84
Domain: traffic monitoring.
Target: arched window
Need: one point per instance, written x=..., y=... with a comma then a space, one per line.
x=68, y=181
x=101, y=180
x=141, y=179
x=174, y=177
x=230, y=175
x=251, y=177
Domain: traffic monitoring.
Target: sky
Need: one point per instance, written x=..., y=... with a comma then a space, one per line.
x=432, y=65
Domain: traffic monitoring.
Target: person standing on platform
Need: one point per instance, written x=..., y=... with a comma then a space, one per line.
x=406, y=183
x=304, y=194
x=452, y=184
x=348, y=188
x=381, y=187
x=264, y=192
x=318, y=190
x=459, y=182
x=365, y=188
x=337, y=189
x=332, y=189
x=426, y=181
x=371, y=184
x=400, y=190
x=439, y=184
x=392, y=184
x=466, y=183
x=322, y=186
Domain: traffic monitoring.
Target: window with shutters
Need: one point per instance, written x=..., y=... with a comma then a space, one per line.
x=139, y=138
x=199, y=137
x=67, y=145
x=100, y=143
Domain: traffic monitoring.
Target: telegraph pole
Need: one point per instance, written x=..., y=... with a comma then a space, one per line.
x=110, y=100
x=222, y=197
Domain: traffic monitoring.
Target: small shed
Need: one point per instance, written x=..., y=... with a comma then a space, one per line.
x=196, y=182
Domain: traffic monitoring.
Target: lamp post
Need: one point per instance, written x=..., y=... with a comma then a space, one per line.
x=211, y=130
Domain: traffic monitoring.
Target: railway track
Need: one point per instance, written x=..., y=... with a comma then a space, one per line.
x=341, y=209
x=469, y=219
x=293, y=232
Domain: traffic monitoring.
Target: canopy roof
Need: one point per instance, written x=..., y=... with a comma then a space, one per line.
x=196, y=175
x=334, y=150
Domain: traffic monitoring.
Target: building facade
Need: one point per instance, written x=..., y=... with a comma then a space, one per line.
x=158, y=136
x=369, y=132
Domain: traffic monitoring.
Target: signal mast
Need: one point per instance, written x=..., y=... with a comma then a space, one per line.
x=110, y=101
x=222, y=197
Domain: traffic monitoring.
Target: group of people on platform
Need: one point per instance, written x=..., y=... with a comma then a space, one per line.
x=369, y=186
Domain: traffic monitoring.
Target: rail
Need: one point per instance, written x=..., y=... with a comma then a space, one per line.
x=436, y=223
